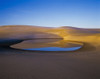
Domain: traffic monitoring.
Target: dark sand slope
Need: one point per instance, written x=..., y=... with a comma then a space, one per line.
x=8, y=42
x=81, y=64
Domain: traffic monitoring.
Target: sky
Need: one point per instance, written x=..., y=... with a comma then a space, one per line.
x=51, y=13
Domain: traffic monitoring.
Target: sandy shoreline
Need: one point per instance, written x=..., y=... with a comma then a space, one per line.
x=20, y=64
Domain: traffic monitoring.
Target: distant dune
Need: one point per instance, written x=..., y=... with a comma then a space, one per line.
x=24, y=32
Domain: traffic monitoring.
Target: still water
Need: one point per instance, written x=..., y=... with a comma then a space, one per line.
x=48, y=45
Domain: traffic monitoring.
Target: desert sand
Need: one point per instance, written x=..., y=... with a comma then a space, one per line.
x=22, y=64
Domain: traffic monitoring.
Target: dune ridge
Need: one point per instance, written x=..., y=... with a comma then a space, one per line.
x=25, y=32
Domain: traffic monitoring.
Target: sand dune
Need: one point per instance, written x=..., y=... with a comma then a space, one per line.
x=22, y=32
x=25, y=32
x=23, y=64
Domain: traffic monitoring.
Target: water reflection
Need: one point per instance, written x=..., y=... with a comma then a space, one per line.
x=48, y=45
x=54, y=49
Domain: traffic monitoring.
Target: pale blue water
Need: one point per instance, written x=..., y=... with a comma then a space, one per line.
x=54, y=49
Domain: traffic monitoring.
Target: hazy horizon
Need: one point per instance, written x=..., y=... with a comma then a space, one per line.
x=51, y=13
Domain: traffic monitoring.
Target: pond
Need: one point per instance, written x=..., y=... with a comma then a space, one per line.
x=48, y=45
